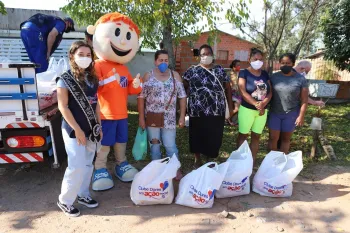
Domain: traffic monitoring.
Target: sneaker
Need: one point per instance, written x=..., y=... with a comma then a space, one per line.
x=68, y=210
x=125, y=172
x=102, y=180
x=88, y=202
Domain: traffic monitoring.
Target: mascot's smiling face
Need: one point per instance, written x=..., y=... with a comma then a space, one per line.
x=116, y=38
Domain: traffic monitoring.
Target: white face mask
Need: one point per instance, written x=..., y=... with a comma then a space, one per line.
x=256, y=64
x=303, y=74
x=83, y=62
x=206, y=60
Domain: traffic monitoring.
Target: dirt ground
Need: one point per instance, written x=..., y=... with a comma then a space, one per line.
x=320, y=203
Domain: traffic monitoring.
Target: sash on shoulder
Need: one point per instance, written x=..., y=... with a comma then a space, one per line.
x=80, y=97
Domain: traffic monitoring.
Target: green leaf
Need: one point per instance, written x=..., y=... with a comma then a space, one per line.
x=2, y=8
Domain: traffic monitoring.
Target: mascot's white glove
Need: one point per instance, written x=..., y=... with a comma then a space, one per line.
x=137, y=82
x=116, y=75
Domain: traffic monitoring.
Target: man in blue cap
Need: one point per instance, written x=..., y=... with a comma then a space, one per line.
x=41, y=35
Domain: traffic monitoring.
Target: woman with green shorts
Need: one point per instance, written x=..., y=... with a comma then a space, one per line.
x=255, y=88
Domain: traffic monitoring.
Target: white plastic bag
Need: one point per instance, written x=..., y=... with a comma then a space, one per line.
x=197, y=189
x=276, y=174
x=62, y=66
x=46, y=88
x=154, y=183
x=46, y=82
x=236, y=181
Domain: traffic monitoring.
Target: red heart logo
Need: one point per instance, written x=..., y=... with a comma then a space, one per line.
x=210, y=193
x=161, y=185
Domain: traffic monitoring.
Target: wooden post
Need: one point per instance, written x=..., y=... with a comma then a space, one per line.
x=328, y=149
x=313, y=153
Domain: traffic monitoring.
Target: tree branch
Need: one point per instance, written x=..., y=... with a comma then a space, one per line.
x=305, y=31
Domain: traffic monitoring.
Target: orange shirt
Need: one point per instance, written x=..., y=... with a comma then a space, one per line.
x=112, y=96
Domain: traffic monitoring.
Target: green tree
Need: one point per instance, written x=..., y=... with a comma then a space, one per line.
x=2, y=8
x=336, y=28
x=288, y=25
x=161, y=20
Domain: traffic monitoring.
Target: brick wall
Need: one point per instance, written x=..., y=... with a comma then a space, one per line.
x=226, y=42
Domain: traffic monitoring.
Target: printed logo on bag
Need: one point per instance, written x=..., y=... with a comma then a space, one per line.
x=235, y=187
x=278, y=191
x=200, y=197
x=46, y=97
x=155, y=193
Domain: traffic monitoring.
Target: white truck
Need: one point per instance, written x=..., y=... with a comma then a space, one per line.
x=27, y=134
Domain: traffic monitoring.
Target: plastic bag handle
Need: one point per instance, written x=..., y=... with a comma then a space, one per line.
x=165, y=160
x=52, y=64
x=215, y=165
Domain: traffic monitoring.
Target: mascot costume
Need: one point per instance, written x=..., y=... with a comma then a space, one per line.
x=115, y=41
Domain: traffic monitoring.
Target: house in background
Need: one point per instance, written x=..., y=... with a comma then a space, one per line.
x=227, y=48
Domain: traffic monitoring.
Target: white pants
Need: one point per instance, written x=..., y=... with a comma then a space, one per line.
x=77, y=178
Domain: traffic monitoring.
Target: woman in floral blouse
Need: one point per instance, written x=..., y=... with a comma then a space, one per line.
x=208, y=86
x=161, y=88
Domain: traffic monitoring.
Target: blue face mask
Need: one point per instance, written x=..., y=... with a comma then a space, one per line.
x=163, y=67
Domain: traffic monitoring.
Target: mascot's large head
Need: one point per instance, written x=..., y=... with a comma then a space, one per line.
x=116, y=38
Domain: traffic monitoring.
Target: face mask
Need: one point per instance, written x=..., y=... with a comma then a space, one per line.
x=303, y=74
x=238, y=68
x=256, y=65
x=206, y=60
x=83, y=62
x=163, y=67
x=286, y=69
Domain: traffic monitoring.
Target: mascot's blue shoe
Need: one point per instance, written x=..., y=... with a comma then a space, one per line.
x=125, y=172
x=102, y=180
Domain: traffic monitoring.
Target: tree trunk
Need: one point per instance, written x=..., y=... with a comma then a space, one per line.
x=167, y=36
x=168, y=45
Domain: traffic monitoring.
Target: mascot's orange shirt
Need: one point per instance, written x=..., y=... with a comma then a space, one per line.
x=112, y=96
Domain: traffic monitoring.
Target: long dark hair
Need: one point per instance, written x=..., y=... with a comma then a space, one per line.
x=79, y=73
